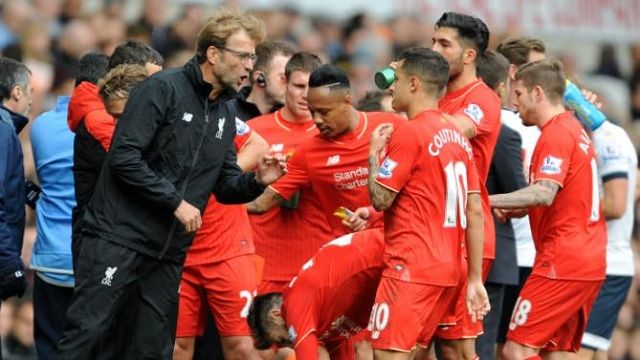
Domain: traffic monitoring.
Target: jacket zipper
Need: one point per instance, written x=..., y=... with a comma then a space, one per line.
x=183, y=189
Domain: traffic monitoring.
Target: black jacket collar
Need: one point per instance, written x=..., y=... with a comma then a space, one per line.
x=19, y=121
x=194, y=74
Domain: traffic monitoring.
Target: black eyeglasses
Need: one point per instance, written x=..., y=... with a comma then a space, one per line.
x=242, y=55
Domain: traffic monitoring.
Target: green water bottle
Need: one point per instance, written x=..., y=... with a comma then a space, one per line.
x=385, y=77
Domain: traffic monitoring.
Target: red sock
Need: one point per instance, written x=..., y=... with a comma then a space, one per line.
x=533, y=357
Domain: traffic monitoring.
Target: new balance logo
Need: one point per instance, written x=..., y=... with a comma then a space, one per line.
x=276, y=148
x=187, y=117
x=220, y=128
x=333, y=160
x=108, y=275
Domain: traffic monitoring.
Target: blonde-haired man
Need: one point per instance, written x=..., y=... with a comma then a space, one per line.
x=117, y=85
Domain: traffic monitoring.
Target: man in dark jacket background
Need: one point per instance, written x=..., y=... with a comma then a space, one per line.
x=505, y=175
x=171, y=149
x=15, y=93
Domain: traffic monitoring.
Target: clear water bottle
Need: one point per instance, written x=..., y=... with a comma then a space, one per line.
x=588, y=113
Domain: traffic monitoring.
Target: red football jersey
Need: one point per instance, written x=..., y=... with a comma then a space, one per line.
x=570, y=235
x=429, y=163
x=225, y=231
x=482, y=106
x=335, y=170
x=286, y=238
x=332, y=296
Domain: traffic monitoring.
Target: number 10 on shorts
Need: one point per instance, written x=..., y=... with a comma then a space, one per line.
x=378, y=320
x=520, y=313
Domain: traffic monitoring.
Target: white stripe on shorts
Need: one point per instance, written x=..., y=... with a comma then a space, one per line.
x=596, y=341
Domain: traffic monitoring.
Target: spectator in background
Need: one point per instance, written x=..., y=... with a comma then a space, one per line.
x=182, y=32
x=608, y=63
x=505, y=175
x=77, y=39
x=15, y=93
x=14, y=14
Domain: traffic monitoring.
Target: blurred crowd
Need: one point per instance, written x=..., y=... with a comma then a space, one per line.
x=50, y=36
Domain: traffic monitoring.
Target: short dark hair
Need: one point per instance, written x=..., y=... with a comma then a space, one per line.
x=430, y=67
x=470, y=28
x=12, y=74
x=493, y=68
x=134, y=52
x=258, y=317
x=329, y=75
x=548, y=74
x=517, y=50
x=371, y=101
x=92, y=67
x=267, y=50
x=302, y=61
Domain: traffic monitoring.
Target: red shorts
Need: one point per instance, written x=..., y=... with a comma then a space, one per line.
x=227, y=286
x=458, y=324
x=552, y=314
x=407, y=313
x=267, y=286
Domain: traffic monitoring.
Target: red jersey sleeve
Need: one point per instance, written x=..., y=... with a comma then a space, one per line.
x=307, y=348
x=402, y=151
x=479, y=110
x=296, y=177
x=243, y=134
x=552, y=157
x=473, y=180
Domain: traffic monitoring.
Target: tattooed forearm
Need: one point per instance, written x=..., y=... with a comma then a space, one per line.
x=381, y=198
x=264, y=202
x=541, y=193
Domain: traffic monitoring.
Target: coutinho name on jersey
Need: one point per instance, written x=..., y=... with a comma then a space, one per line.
x=445, y=136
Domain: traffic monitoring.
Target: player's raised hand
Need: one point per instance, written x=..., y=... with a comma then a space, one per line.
x=271, y=168
x=358, y=220
x=477, y=300
x=380, y=137
x=592, y=98
x=189, y=216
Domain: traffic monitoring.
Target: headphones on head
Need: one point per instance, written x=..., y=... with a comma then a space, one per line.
x=261, y=81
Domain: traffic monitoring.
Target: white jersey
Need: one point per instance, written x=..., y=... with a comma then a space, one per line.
x=617, y=158
x=525, y=249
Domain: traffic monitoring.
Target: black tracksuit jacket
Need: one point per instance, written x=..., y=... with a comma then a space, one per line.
x=171, y=143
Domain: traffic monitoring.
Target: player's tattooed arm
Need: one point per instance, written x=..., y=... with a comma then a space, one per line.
x=540, y=193
x=381, y=197
x=264, y=202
